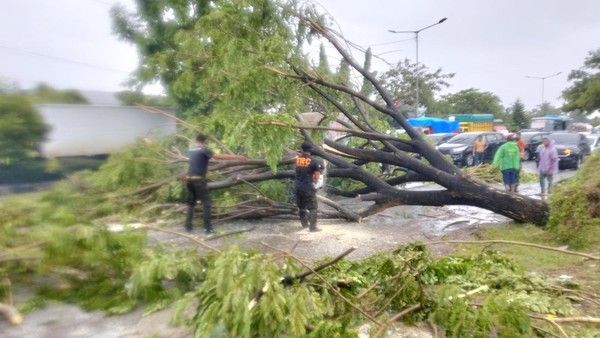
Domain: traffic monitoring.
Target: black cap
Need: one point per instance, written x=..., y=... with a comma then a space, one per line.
x=306, y=147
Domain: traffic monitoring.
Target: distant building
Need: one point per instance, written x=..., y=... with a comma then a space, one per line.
x=80, y=130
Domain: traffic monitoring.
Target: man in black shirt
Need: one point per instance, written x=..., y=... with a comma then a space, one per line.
x=308, y=170
x=196, y=181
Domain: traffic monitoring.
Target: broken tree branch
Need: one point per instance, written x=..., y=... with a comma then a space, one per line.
x=500, y=241
x=185, y=124
x=181, y=234
x=231, y=233
x=289, y=280
x=309, y=272
x=336, y=291
x=347, y=213
x=381, y=331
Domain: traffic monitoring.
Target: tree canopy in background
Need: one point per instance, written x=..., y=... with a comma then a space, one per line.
x=44, y=93
x=545, y=109
x=131, y=98
x=470, y=101
x=518, y=116
x=584, y=93
x=21, y=128
x=401, y=81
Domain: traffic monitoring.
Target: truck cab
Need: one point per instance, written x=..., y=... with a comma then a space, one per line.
x=551, y=123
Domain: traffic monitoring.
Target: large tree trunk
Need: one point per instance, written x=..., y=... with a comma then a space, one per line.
x=472, y=193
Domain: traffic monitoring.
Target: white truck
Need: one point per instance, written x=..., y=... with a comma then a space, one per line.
x=85, y=130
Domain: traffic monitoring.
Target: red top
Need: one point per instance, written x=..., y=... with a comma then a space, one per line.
x=522, y=144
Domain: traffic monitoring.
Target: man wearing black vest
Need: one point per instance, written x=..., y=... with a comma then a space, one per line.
x=196, y=181
x=308, y=170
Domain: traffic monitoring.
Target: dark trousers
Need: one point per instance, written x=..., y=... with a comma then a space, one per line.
x=544, y=177
x=198, y=191
x=307, y=208
x=478, y=158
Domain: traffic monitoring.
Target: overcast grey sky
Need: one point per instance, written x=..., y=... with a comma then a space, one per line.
x=490, y=45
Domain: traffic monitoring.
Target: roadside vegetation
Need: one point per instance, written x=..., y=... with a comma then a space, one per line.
x=65, y=246
x=87, y=241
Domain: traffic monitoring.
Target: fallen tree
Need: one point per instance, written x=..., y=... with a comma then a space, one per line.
x=240, y=95
x=412, y=155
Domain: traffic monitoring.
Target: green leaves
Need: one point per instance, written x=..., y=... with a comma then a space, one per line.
x=21, y=129
x=164, y=276
x=231, y=285
x=470, y=101
x=574, y=207
x=401, y=83
x=584, y=93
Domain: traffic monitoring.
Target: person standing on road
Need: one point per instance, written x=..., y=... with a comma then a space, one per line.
x=197, y=184
x=508, y=159
x=308, y=171
x=547, y=165
x=479, y=150
x=522, y=145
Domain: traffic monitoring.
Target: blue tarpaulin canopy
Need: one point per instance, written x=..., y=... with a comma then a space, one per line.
x=437, y=125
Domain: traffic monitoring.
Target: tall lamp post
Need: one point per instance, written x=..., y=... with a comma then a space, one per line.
x=416, y=33
x=543, y=78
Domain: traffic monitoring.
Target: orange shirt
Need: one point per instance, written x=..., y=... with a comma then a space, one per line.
x=479, y=146
x=522, y=144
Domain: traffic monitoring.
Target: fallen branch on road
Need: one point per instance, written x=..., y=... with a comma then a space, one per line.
x=181, y=234
x=211, y=238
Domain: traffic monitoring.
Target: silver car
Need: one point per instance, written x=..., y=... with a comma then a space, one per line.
x=594, y=141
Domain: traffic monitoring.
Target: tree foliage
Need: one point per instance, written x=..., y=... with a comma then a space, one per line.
x=545, y=109
x=576, y=206
x=210, y=56
x=132, y=98
x=21, y=128
x=401, y=81
x=74, y=252
x=470, y=101
x=214, y=59
x=584, y=93
x=44, y=93
x=323, y=66
x=519, y=118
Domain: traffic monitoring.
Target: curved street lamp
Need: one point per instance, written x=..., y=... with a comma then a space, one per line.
x=416, y=33
x=543, y=78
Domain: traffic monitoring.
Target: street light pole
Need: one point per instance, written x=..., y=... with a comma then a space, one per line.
x=416, y=33
x=543, y=78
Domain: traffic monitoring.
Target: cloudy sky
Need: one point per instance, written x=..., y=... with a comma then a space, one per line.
x=491, y=45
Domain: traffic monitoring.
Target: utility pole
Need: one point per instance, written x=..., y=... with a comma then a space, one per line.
x=543, y=78
x=416, y=33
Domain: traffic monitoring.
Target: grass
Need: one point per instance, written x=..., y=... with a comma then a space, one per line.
x=586, y=273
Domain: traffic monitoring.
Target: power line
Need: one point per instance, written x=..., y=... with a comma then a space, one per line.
x=102, y=2
x=391, y=51
x=389, y=42
x=62, y=59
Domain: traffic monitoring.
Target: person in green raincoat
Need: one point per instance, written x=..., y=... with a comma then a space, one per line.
x=508, y=159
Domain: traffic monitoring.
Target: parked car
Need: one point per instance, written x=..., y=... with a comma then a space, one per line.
x=593, y=141
x=460, y=147
x=571, y=148
x=439, y=138
x=533, y=140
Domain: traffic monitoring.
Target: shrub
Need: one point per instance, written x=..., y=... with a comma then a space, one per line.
x=575, y=207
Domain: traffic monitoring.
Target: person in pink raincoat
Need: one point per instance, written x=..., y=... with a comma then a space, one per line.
x=547, y=164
